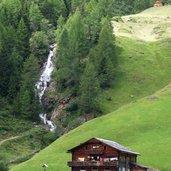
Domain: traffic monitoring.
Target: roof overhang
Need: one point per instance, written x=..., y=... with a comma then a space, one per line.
x=122, y=149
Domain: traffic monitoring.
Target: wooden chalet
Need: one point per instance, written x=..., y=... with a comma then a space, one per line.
x=99, y=154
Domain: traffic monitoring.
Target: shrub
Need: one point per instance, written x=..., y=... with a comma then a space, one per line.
x=72, y=106
x=3, y=166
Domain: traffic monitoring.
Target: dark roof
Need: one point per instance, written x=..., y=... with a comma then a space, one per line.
x=117, y=146
x=111, y=144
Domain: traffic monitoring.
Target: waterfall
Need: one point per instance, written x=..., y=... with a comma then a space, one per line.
x=44, y=82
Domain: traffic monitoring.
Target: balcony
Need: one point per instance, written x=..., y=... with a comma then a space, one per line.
x=92, y=163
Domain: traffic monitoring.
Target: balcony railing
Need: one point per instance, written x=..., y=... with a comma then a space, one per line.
x=92, y=163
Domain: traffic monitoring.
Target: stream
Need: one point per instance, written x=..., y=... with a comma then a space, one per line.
x=44, y=82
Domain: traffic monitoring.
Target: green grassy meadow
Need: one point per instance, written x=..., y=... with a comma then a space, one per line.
x=143, y=68
x=161, y=11
x=143, y=126
x=17, y=149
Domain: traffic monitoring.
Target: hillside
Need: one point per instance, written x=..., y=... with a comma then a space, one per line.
x=150, y=25
x=144, y=43
x=144, y=126
x=160, y=11
x=132, y=83
x=143, y=68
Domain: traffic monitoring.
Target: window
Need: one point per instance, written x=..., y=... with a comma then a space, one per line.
x=81, y=158
x=127, y=164
x=113, y=158
x=107, y=169
x=95, y=157
x=104, y=147
x=123, y=169
x=96, y=146
x=82, y=169
x=120, y=166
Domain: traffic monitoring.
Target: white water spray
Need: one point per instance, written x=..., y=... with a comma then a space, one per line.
x=44, y=82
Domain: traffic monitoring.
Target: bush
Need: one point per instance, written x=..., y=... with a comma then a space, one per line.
x=3, y=166
x=117, y=19
x=72, y=106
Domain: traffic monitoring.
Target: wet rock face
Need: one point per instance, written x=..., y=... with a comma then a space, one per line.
x=43, y=83
x=51, y=98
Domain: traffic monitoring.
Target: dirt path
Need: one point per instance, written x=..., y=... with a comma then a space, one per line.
x=8, y=139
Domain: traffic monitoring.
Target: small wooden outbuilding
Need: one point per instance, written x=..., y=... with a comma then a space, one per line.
x=99, y=154
x=158, y=3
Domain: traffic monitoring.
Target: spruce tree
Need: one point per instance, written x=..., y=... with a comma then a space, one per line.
x=92, y=22
x=7, y=42
x=15, y=77
x=89, y=90
x=39, y=45
x=27, y=95
x=10, y=12
x=25, y=102
x=76, y=47
x=71, y=49
x=52, y=10
x=106, y=43
x=68, y=7
x=104, y=55
x=22, y=39
x=63, y=60
x=106, y=72
x=60, y=27
x=35, y=17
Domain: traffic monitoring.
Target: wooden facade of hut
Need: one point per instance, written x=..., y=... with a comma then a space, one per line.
x=99, y=154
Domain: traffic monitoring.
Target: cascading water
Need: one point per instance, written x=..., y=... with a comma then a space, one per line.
x=43, y=83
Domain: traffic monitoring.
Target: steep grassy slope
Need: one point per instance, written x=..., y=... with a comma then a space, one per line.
x=143, y=68
x=151, y=25
x=17, y=149
x=159, y=11
x=143, y=126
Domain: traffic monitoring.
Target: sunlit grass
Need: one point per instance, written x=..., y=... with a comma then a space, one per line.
x=144, y=126
x=143, y=68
